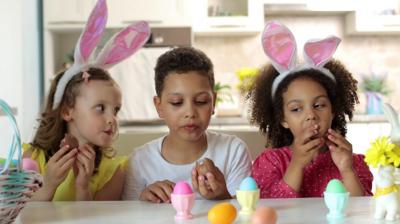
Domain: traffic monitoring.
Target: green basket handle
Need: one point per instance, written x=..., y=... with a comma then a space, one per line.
x=16, y=139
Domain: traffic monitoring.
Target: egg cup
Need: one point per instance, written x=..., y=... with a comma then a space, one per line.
x=247, y=200
x=183, y=204
x=336, y=203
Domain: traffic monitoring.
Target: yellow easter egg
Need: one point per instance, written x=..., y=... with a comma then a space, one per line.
x=222, y=213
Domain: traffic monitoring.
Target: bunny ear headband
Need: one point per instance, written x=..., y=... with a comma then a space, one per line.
x=119, y=47
x=280, y=46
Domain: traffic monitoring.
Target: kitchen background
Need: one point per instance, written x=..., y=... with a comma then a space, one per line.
x=39, y=36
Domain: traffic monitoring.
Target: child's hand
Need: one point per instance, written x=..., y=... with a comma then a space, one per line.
x=341, y=151
x=305, y=147
x=209, y=181
x=84, y=166
x=58, y=166
x=158, y=192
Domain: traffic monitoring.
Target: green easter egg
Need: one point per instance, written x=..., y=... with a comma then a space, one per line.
x=335, y=186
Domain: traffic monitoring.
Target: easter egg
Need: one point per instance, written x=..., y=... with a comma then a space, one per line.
x=29, y=164
x=335, y=186
x=71, y=141
x=264, y=215
x=248, y=184
x=222, y=213
x=182, y=187
x=204, y=166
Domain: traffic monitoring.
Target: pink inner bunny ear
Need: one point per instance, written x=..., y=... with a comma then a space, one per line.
x=320, y=52
x=279, y=45
x=124, y=44
x=93, y=30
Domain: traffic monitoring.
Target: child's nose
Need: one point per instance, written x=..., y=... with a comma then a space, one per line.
x=311, y=115
x=190, y=111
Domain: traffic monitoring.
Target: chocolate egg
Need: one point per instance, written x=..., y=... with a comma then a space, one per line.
x=264, y=215
x=70, y=140
x=222, y=213
x=206, y=165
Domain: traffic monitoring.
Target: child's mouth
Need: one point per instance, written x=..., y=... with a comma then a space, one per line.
x=190, y=128
x=109, y=132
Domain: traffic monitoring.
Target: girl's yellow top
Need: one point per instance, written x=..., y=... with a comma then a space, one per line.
x=66, y=190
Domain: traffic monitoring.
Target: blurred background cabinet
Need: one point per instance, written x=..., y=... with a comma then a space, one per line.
x=65, y=19
x=227, y=17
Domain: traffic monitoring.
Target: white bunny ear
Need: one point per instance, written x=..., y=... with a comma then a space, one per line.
x=91, y=35
x=280, y=46
x=318, y=52
x=393, y=119
x=123, y=44
x=84, y=48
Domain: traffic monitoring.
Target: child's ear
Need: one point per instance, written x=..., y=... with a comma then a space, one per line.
x=157, y=104
x=66, y=113
x=284, y=124
x=215, y=98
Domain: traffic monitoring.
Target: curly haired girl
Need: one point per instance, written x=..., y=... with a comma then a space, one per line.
x=302, y=109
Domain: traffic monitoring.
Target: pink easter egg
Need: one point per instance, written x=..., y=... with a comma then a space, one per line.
x=182, y=187
x=264, y=215
x=29, y=164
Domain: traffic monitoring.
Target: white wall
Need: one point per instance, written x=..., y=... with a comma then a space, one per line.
x=19, y=67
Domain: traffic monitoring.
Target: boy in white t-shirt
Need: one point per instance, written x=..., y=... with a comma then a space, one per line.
x=184, y=80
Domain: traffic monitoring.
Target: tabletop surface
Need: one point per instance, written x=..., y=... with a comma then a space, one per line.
x=303, y=210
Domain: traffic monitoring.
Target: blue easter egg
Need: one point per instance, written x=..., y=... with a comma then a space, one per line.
x=248, y=184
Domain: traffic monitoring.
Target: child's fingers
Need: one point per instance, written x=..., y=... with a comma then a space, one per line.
x=67, y=165
x=202, y=186
x=84, y=162
x=147, y=195
x=195, y=184
x=87, y=153
x=161, y=190
x=69, y=155
x=313, y=144
x=168, y=187
x=60, y=153
x=152, y=197
x=214, y=185
x=339, y=140
x=309, y=134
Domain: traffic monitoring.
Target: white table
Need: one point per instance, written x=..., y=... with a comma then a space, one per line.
x=305, y=210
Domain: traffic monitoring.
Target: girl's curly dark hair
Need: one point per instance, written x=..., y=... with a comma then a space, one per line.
x=267, y=113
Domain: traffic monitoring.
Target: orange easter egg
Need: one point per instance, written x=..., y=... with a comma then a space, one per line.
x=264, y=215
x=222, y=213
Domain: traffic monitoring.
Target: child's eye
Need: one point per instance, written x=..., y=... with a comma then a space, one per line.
x=175, y=104
x=201, y=102
x=295, y=109
x=99, y=108
x=116, y=110
x=319, y=105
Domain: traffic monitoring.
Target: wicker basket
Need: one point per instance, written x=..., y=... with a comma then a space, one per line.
x=16, y=185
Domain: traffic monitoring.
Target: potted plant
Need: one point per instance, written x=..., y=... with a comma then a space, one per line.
x=223, y=94
x=375, y=87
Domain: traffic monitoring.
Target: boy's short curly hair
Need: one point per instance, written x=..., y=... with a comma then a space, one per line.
x=267, y=113
x=181, y=60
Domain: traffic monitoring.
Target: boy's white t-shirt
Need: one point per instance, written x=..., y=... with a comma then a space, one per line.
x=146, y=165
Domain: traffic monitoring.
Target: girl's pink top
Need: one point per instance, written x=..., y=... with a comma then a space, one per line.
x=270, y=167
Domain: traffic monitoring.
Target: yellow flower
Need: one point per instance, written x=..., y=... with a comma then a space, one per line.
x=246, y=76
x=394, y=156
x=382, y=152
